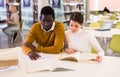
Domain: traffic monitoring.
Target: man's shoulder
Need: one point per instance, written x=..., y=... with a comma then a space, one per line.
x=37, y=24
x=59, y=24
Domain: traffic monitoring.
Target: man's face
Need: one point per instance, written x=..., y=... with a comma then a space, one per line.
x=47, y=21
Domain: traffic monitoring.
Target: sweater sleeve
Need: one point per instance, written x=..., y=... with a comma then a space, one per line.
x=30, y=39
x=58, y=41
x=95, y=44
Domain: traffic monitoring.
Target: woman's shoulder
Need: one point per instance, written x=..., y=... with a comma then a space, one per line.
x=88, y=34
x=67, y=31
x=85, y=31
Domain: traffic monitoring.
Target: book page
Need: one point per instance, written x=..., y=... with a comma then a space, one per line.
x=77, y=56
x=38, y=65
x=87, y=56
x=46, y=62
x=41, y=64
x=46, y=65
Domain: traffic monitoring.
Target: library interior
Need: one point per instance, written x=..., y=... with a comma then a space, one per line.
x=101, y=28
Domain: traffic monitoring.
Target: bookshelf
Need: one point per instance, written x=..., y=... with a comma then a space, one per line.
x=70, y=6
x=28, y=13
x=35, y=11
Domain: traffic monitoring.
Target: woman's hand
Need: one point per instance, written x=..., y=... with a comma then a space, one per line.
x=7, y=21
x=69, y=51
x=98, y=58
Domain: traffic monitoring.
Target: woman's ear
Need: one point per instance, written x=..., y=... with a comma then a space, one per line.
x=40, y=17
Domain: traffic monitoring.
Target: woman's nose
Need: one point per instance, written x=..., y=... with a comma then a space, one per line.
x=73, y=28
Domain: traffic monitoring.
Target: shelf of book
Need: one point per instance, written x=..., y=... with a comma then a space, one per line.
x=70, y=6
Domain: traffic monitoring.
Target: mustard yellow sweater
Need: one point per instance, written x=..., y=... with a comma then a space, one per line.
x=47, y=42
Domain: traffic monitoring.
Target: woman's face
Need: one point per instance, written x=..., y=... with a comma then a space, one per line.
x=74, y=26
x=12, y=8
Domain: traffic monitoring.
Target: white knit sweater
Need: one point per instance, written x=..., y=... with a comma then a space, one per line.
x=82, y=41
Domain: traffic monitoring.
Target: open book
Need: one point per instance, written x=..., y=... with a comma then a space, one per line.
x=8, y=57
x=77, y=56
x=46, y=63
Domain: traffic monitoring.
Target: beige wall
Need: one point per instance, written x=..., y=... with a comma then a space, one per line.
x=111, y=4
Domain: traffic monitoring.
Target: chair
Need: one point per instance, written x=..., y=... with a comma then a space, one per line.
x=104, y=13
x=95, y=25
x=93, y=50
x=117, y=25
x=116, y=13
x=113, y=17
x=19, y=31
x=114, y=44
x=96, y=13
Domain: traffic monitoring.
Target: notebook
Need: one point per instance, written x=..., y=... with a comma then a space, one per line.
x=107, y=25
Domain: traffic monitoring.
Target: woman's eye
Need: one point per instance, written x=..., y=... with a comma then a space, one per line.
x=76, y=26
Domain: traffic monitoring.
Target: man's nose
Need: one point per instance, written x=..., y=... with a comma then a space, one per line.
x=46, y=23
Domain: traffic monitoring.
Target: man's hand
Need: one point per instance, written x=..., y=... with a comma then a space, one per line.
x=33, y=55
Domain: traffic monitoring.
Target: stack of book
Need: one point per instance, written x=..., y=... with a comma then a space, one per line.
x=8, y=57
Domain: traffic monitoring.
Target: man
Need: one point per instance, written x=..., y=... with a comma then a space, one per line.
x=47, y=33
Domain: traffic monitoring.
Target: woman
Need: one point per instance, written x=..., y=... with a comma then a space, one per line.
x=13, y=23
x=80, y=40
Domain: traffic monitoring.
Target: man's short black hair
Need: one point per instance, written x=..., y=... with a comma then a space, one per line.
x=47, y=10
